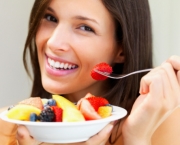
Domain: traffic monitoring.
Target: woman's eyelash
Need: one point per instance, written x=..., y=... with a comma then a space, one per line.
x=49, y=17
x=86, y=28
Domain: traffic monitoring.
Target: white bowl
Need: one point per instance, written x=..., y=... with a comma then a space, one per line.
x=67, y=132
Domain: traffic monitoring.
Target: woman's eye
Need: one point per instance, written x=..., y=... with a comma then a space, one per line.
x=50, y=18
x=86, y=28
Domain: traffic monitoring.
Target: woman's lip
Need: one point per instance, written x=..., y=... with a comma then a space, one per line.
x=57, y=72
x=59, y=59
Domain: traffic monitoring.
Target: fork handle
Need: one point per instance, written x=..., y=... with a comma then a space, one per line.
x=139, y=71
x=135, y=72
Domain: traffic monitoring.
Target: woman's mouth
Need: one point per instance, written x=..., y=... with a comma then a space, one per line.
x=57, y=67
x=61, y=65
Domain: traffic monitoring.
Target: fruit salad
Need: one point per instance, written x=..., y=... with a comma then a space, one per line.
x=60, y=109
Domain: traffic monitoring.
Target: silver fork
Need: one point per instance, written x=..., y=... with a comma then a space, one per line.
x=116, y=76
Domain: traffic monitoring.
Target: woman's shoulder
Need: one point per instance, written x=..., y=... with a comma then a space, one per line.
x=169, y=131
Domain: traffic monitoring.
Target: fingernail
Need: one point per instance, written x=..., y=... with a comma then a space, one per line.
x=114, y=122
x=140, y=90
x=19, y=134
x=20, y=131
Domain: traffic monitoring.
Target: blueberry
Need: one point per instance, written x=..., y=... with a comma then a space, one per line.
x=51, y=102
x=33, y=117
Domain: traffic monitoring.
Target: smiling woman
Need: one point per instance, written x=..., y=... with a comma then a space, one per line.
x=67, y=37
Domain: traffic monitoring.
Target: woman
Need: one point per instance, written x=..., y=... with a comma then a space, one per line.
x=127, y=47
x=78, y=34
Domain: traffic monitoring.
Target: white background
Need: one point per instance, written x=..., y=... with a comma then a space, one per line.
x=14, y=15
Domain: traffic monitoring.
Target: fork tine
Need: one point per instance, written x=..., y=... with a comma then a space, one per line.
x=102, y=73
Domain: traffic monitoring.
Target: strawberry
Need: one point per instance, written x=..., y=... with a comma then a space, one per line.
x=35, y=101
x=89, y=106
x=104, y=67
x=97, y=102
x=88, y=111
x=58, y=113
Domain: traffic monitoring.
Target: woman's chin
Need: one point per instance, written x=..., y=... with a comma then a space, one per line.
x=53, y=89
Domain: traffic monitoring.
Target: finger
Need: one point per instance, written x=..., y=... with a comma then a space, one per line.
x=167, y=75
x=145, y=81
x=175, y=61
x=171, y=75
x=178, y=77
x=151, y=82
x=164, y=80
x=24, y=137
x=169, y=83
x=102, y=137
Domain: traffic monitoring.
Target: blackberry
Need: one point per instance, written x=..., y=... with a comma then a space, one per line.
x=46, y=115
x=46, y=105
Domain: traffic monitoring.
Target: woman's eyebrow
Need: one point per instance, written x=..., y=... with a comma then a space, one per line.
x=77, y=17
x=50, y=9
x=85, y=18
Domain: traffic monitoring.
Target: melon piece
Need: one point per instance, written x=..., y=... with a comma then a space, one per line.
x=34, y=101
x=22, y=112
x=105, y=111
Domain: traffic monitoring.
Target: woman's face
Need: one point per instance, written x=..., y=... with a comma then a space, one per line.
x=73, y=37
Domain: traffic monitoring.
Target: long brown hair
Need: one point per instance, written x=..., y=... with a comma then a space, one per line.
x=30, y=50
x=133, y=33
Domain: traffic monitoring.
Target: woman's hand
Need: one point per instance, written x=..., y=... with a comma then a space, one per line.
x=100, y=139
x=159, y=97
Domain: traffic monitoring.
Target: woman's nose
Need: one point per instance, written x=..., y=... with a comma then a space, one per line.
x=59, y=39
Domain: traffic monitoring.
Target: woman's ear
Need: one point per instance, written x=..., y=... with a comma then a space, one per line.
x=119, y=56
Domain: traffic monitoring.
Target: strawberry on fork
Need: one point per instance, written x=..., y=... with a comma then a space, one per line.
x=103, y=67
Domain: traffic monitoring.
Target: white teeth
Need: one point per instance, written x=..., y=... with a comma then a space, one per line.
x=52, y=62
x=69, y=66
x=49, y=60
x=60, y=65
x=57, y=64
x=66, y=66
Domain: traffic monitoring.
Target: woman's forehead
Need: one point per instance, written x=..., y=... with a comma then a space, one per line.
x=92, y=10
